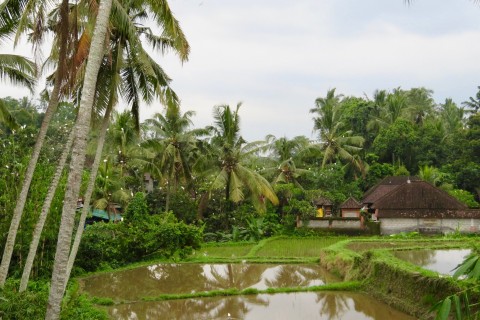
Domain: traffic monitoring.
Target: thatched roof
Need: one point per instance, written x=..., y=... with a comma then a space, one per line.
x=321, y=201
x=385, y=186
x=351, y=203
x=418, y=195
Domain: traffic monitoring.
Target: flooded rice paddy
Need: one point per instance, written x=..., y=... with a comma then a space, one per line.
x=130, y=286
x=303, y=305
x=159, y=279
x=442, y=260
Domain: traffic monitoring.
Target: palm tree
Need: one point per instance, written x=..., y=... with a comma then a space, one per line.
x=18, y=70
x=174, y=147
x=137, y=71
x=43, y=214
x=280, y=163
x=336, y=141
x=82, y=126
x=451, y=118
x=473, y=103
x=52, y=106
x=231, y=173
x=282, y=149
x=420, y=104
x=430, y=174
x=132, y=69
x=379, y=103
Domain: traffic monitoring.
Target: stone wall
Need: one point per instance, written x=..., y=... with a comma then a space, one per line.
x=337, y=223
x=396, y=225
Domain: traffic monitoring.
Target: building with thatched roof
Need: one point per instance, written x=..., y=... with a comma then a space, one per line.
x=324, y=207
x=410, y=204
x=350, y=208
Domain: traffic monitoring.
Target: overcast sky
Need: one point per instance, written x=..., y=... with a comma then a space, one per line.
x=278, y=56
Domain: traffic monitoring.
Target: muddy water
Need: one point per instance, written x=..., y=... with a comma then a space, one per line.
x=159, y=279
x=304, y=305
x=441, y=261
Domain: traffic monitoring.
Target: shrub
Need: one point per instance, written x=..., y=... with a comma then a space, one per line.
x=107, y=245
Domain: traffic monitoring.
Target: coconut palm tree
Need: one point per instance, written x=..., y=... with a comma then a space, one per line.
x=395, y=107
x=138, y=71
x=451, y=119
x=231, y=174
x=282, y=158
x=43, y=214
x=174, y=147
x=420, y=104
x=18, y=70
x=473, y=103
x=336, y=142
x=82, y=127
x=135, y=76
x=51, y=108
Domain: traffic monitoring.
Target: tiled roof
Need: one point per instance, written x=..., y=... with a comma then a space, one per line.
x=351, y=203
x=418, y=195
x=321, y=201
x=385, y=186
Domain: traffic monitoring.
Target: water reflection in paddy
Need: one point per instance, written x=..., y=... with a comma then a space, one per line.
x=303, y=305
x=442, y=261
x=186, y=278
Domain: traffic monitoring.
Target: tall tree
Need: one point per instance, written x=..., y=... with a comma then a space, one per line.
x=82, y=126
x=335, y=140
x=473, y=103
x=451, y=117
x=394, y=107
x=52, y=106
x=420, y=104
x=134, y=75
x=231, y=174
x=284, y=154
x=174, y=147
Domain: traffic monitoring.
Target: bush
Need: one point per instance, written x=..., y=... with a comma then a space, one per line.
x=107, y=245
x=32, y=303
x=26, y=305
x=464, y=197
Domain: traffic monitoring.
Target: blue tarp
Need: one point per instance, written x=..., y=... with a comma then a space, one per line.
x=102, y=214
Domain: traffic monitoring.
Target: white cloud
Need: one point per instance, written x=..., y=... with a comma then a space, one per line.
x=278, y=56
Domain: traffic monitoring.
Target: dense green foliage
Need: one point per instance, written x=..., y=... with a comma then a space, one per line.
x=398, y=132
x=16, y=149
x=108, y=245
x=209, y=184
x=32, y=303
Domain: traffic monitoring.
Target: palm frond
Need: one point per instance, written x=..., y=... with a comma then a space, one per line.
x=6, y=117
x=236, y=185
x=10, y=13
x=220, y=180
x=170, y=27
x=18, y=69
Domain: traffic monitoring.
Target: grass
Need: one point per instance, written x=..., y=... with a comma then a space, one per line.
x=408, y=244
x=296, y=247
x=339, y=286
x=224, y=250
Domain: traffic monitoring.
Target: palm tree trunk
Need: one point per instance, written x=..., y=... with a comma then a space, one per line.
x=82, y=126
x=52, y=107
x=43, y=215
x=167, y=201
x=89, y=192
